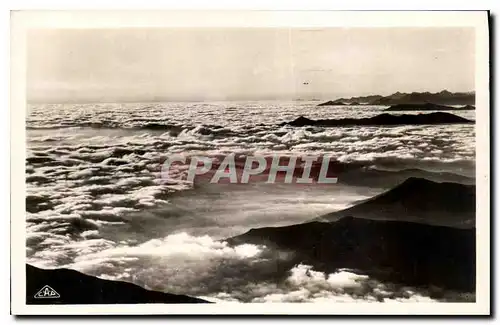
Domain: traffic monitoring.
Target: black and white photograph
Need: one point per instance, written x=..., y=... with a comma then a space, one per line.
x=332, y=164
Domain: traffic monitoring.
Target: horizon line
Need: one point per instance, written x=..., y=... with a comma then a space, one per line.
x=124, y=101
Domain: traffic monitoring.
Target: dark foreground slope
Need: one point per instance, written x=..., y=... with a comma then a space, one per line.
x=385, y=119
x=418, y=200
x=77, y=288
x=398, y=252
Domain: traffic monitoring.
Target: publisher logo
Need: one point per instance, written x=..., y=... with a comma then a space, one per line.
x=47, y=292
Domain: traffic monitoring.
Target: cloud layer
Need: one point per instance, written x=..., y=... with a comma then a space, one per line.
x=96, y=201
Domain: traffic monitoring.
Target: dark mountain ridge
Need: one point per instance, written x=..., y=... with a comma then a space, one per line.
x=418, y=200
x=399, y=252
x=394, y=245
x=384, y=119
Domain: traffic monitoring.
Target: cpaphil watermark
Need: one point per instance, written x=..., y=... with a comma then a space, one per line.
x=246, y=169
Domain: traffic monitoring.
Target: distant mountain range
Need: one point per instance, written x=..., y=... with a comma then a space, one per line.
x=428, y=107
x=444, y=98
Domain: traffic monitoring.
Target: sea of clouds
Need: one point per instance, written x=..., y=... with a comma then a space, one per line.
x=96, y=201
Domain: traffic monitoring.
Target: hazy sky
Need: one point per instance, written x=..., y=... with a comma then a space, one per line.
x=255, y=63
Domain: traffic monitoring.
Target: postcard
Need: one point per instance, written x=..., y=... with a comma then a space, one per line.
x=250, y=162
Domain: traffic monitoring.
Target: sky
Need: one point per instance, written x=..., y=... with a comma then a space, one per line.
x=182, y=64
